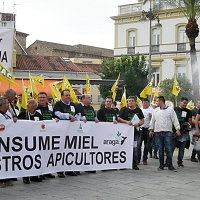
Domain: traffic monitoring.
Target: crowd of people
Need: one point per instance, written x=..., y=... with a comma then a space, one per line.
x=161, y=128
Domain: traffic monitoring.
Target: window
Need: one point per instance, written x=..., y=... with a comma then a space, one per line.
x=157, y=5
x=131, y=42
x=182, y=3
x=181, y=46
x=181, y=70
x=155, y=40
x=156, y=75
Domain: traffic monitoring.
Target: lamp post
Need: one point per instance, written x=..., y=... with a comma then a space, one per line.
x=151, y=16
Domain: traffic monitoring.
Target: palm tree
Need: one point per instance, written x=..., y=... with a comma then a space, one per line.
x=191, y=10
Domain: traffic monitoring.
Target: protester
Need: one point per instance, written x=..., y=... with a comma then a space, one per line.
x=31, y=114
x=87, y=114
x=161, y=124
x=66, y=110
x=107, y=113
x=194, y=114
x=114, y=106
x=144, y=132
x=46, y=111
x=10, y=96
x=184, y=116
x=5, y=114
x=126, y=115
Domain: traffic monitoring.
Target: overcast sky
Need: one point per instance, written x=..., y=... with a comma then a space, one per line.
x=66, y=21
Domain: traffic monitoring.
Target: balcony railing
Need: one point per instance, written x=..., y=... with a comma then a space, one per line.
x=155, y=48
x=181, y=46
x=131, y=50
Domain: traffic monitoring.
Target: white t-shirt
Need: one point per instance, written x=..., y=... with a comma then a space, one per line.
x=146, y=112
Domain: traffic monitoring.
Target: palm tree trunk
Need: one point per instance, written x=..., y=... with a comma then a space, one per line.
x=194, y=68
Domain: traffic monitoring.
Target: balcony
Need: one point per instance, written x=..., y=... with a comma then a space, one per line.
x=131, y=50
x=130, y=8
x=155, y=48
x=181, y=47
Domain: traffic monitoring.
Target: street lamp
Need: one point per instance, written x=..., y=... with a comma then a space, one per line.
x=151, y=16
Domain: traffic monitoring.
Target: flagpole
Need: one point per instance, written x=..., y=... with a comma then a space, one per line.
x=32, y=95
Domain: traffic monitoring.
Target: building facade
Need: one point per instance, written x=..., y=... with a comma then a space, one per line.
x=170, y=45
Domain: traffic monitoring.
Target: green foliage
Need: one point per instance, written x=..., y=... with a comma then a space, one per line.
x=185, y=85
x=133, y=71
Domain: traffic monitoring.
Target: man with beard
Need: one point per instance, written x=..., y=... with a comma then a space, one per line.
x=46, y=111
x=5, y=114
x=162, y=122
x=107, y=113
x=31, y=114
x=66, y=110
x=87, y=113
x=184, y=116
x=125, y=116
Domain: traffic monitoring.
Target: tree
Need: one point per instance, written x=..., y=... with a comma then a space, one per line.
x=133, y=71
x=191, y=10
x=185, y=85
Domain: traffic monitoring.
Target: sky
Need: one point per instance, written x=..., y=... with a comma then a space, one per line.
x=68, y=22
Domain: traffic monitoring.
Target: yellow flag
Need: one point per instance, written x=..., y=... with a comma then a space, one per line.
x=38, y=80
x=139, y=101
x=66, y=85
x=123, y=99
x=6, y=76
x=87, y=85
x=176, y=89
x=156, y=94
x=190, y=105
x=114, y=88
x=55, y=92
x=143, y=93
x=147, y=90
x=25, y=95
x=34, y=90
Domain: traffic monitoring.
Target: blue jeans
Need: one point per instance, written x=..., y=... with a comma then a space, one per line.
x=144, y=136
x=135, y=155
x=181, y=150
x=164, y=142
x=152, y=147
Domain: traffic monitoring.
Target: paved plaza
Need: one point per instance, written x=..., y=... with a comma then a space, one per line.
x=145, y=184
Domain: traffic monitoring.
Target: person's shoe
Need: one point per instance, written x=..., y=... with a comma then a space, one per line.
x=137, y=162
x=156, y=157
x=160, y=168
x=172, y=169
x=13, y=179
x=180, y=165
x=70, y=173
x=61, y=175
x=2, y=185
x=165, y=164
x=144, y=162
x=42, y=177
x=36, y=179
x=49, y=175
x=135, y=167
x=194, y=160
x=8, y=183
x=77, y=172
x=26, y=181
x=90, y=171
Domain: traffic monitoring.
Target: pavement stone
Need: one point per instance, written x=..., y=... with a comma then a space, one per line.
x=145, y=184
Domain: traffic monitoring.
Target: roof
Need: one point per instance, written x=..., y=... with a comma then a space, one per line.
x=78, y=48
x=53, y=63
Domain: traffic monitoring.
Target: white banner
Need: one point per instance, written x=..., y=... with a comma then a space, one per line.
x=6, y=46
x=29, y=148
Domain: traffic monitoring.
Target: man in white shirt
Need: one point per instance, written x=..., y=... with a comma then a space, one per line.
x=144, y=132
x=163, y=119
